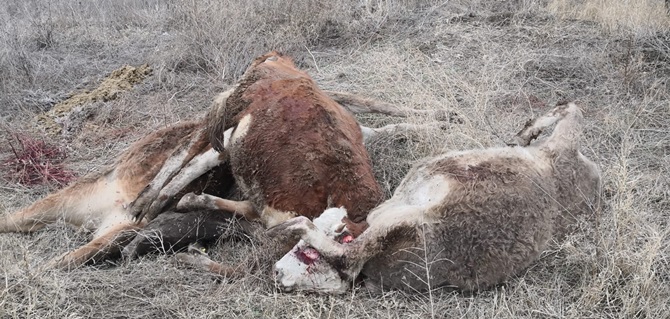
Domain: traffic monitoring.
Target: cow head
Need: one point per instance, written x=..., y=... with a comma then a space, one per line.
x=304, y=269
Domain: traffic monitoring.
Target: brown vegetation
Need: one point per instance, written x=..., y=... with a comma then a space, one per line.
x=495, y=63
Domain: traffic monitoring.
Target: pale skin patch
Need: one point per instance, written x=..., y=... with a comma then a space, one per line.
x=491, y=154
x=106, y=200
x=226, y=137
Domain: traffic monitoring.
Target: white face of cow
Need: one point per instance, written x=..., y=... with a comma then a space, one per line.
x=303, y=268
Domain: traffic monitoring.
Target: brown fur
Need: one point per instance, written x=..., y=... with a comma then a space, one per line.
x=301, y=150
x=326, y=128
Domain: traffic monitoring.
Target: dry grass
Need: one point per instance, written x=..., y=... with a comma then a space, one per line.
x=494, y=63
x=637, y=16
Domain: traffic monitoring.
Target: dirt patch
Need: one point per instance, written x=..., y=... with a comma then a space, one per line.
x=120, y=80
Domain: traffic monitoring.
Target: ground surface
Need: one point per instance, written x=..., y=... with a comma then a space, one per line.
x=496, y=65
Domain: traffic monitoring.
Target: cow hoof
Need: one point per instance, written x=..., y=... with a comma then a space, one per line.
x=187, y=202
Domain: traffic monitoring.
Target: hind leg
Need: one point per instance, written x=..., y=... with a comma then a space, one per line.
x=106, y=243
x=359, y=105
x=35, y=216
x=370, y=132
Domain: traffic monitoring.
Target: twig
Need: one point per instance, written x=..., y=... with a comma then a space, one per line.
x=313, y=59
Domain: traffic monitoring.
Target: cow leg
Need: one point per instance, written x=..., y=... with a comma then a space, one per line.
x=108, y=242
x=197, y=258
x=191, y=201
x=71, y=204
x=359, y=105
x=270, y=217
x=198, y=166
x=568, y=131
x=177, y=160
x=369, y=132
x=34, y=217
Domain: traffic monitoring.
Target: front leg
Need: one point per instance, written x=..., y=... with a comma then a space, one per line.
x=359, y=105
x=534, y=127
x=196, y=257
x=191, y=202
